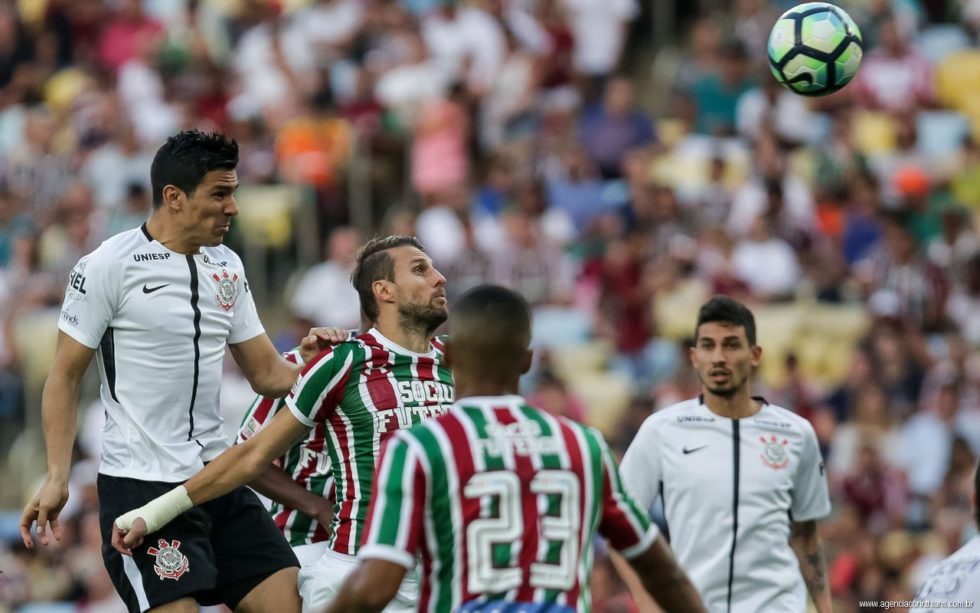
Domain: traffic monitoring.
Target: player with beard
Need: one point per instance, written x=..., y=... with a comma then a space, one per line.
x=362, y=391
x=735, y=470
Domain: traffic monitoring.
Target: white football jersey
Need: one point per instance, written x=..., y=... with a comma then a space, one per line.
x=954, y=583
x=160, y=322
x=730, y=489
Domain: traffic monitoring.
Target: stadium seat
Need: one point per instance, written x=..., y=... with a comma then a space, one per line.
x=958, y=79
x=874, y=132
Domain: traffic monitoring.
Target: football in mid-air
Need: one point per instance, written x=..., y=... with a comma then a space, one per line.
x=815, y=49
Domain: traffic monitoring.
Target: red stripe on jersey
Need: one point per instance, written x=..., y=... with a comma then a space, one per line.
x=425, y=594
x=330, y=402
x=261, y=412
x=529, y=501
x=577, y=466
x=426, y=368
x=345, y=448
x=470, y=507
x=315, y=445
x=380, y=389
x=438, y=344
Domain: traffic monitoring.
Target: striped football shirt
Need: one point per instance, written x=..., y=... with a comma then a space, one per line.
x=503, y=502
x=362, y=391
x=306, y=462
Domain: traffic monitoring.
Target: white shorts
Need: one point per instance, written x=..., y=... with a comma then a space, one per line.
x=319, y=583
x=309, y=555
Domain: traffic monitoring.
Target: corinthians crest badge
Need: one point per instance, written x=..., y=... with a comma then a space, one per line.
x=170, y=564
x=227, y=289
x=774, y=452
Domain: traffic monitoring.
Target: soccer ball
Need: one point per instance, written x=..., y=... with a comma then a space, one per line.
x=815, y=49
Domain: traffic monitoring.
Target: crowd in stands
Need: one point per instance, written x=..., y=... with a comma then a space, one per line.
x=539, y=144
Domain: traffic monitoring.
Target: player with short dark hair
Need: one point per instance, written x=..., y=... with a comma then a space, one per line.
x=742, y=480
x=501, y=500
x=362, y=391
x=159, y=305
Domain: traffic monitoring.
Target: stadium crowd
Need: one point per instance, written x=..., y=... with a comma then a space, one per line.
x=526, y=143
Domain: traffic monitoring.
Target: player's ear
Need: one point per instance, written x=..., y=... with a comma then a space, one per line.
x=528, y=358
x=382, y=291
x=173, y=197
x=756, y=355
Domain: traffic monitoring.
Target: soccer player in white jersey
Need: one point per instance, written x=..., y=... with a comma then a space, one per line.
x=159, y=305
x=501, y=500
x=955, y=582
x=362, y=391
x=742, y=480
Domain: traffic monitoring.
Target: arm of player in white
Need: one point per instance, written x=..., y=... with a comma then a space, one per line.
x=269, y=373
x=236, y=466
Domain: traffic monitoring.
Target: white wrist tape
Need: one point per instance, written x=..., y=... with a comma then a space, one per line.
x=158, y=512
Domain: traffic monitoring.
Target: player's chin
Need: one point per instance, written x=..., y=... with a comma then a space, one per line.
x=725, y=391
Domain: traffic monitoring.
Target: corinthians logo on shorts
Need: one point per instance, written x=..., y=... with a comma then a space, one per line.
x=774, y=452
x=227, y=289
x=170, y=564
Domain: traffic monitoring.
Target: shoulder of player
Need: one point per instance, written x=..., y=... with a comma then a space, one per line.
x=118, y=247
x=775, y=416
x=673, y=413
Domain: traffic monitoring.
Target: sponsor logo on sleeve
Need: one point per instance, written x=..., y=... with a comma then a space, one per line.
x=70, y=319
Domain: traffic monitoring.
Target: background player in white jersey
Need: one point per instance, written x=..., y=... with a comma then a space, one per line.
x=159, y=305
x=957, y=578
x=742, y=481
x=300, y=485
x=363, y=391
x=501, y=500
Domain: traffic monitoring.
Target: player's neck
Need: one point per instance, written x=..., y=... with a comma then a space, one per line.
x=413, y=339
x=737, y=406
x=477, y=384
x=169, y=234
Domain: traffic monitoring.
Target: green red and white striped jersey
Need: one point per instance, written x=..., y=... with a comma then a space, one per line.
x=362, y=391
x=503, y=501
x=306, y=462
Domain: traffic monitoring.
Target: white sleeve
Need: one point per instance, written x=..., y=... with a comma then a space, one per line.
x=811, y=498
x=91, y=299
x=245, y=323
x=640, y=468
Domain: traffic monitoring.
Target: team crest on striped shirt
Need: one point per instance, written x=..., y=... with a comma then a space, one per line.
x=170, y=564
x=227, y=289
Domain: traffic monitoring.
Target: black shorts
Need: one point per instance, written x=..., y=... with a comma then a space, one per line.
x=216, y=552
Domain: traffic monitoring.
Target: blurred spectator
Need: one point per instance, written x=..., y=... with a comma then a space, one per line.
x=766, y=263
x=466, y=43
x=610, y=130
x=330, y=278
x=894, y=77
x=128, y=30
x=599, y=29
x=772, y=107
x=715, y=96
x=868, y=423
x=440, y=164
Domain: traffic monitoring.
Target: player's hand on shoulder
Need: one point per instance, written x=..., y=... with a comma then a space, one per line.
x=44, y=509
x=124, y=541
x=319, y=339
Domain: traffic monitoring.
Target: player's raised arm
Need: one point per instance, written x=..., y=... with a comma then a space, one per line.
x=59, y=408
x=267, y=372
x=234, y=467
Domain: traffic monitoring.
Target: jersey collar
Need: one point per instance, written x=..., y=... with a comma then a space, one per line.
x=391, y=345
